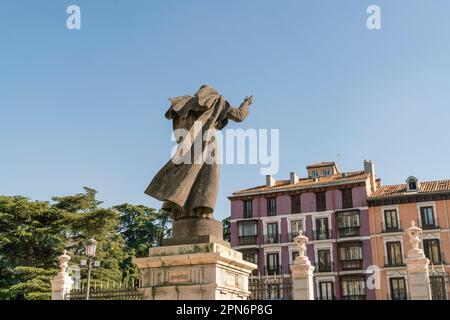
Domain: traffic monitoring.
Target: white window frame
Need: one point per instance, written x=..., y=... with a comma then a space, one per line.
x=325, y=279
x=324, y=246
x=387, y=208
x=396, y=275
x=427, y=204
x=394, y=239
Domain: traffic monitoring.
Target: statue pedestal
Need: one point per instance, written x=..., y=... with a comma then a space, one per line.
x=302, y=279
x=418, y=275
x=206, y=271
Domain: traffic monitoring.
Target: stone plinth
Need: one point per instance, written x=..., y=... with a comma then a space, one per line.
x=207, y=271
x=302, y=279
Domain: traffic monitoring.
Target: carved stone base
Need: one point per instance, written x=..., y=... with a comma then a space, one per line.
x=302, y=279
x=208, y=271
x=196, y=231
x=418, y=277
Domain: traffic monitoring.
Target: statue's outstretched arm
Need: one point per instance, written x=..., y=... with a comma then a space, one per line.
x=239, y=114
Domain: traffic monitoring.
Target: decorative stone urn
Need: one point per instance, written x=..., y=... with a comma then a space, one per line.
x=62, y=283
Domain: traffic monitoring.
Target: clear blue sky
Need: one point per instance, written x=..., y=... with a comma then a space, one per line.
x=85, y=108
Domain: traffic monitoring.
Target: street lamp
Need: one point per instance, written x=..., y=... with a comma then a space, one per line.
x=91, y=246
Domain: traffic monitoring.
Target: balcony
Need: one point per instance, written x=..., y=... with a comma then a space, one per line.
x=291, y=236
x=430, y=227
x=272, y=270
x=321, y=234
x=354, y=297
x=392, y=229
x=247, y=240
x=347, y=232
x=325, y=298
x=324, y=267
x=392, y=263
x=353, y=264
x=272, y=238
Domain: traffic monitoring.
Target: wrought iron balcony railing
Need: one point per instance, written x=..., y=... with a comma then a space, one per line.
x=291, y=236
x=354, y=297
x=349, y=232
x=352, y=264
x=392, y=229
x=430, y=227
x=247, y=240
x=321, y=234
x=324, y=267
x=394, y=263
x=272, y=238
x=272, y=270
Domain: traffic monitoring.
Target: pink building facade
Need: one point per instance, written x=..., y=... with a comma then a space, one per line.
x=330, y=208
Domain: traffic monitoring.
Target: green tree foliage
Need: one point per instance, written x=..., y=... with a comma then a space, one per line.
x=141, y=227
x=31, y=235
x=85, y=220
x=34, y=233
x=226, y=229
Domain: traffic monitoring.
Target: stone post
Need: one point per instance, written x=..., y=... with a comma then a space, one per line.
x=62, y=283
x=417, y=266
x=302, y=272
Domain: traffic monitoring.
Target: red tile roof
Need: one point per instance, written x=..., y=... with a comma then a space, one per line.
x=336, y=179
x=402, y=190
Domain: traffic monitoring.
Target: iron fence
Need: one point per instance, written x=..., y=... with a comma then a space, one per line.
x=107, y=291
x=270, y=288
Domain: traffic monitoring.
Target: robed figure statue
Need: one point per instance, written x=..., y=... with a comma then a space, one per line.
x=189, y=189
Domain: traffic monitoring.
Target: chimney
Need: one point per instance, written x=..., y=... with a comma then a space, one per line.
x=294, y=177
x=270, y=181
x=369, y=167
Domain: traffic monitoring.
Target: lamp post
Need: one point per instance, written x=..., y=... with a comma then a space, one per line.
x=91, y=246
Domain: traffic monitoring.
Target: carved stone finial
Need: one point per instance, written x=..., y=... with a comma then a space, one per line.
x=413, y=233
x=64, y=261
x=301, y=241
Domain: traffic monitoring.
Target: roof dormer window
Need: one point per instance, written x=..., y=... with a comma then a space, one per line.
x=412, y=184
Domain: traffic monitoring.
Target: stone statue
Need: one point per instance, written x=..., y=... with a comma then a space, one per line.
x=189, y=189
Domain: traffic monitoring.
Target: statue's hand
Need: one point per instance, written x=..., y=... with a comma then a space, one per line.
x=248, y=100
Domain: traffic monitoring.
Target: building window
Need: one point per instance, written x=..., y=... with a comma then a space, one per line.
x=348, y=223
x=432, y=250
x=391, y=220
x=351, y=256
x=314, y=173
x=248, y=212
x=322, y=232
x=250, y=256
x=295, y=204
x=326, y=290
x=353, y=288
x=394, y=254
x=271, y=206
x=347, y=201
x=326, y=172
x=398, y=288
x=427, y=216
x=413, y=184
x=273, y=264
x=296, y=227
x=324, y=260
x=247, y=232
x=321, y=203
x=272, y=235
x=294, y=255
